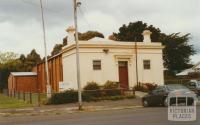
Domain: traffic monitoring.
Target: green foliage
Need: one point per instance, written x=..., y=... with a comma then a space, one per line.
x=91, y=86
x=111, y=88
x=5, y=69
x=85, y=36
x=111, y=85
x=145, y=87
x=7, y=56
x=177, y=51
x=115, y=98
x=133, y=32
x=32, y=59
x=89, y=35
x=69, y=96
x=6, y=102
x=56, y=49
x=150, y=86
x=140, y=88
x=92, y=92
x=92, y=89
x=10, y=62
x=64, y=41
x=112, y=37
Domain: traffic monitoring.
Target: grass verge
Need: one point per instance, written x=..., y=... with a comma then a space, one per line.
x=6, y=102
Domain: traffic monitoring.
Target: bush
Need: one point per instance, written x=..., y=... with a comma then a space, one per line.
x=111, y=89
x=111, y=92
x=145, y=87
x=92, y=86
x=140, y=88
x=69, y=96
x=92, y=89
x=114, y=98
x=150, y=86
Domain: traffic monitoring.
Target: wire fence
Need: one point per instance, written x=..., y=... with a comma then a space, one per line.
x=35, y=99
x=178, y=81
x=38, y=99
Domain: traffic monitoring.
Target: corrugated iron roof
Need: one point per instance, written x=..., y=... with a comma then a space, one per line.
x=23, y=73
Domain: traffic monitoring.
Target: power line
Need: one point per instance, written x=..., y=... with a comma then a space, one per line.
x=45, y=8
x=84, y=18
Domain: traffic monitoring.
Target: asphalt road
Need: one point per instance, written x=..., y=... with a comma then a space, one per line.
x=137, y=116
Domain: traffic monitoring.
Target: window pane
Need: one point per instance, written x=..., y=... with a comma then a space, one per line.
x=96, y=64
x=146, y=64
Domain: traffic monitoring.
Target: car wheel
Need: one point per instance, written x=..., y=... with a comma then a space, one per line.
x=165, y=103
x=145, y=103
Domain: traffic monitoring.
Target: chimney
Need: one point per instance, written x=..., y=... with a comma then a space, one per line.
x=147, y=36
x=71, y=32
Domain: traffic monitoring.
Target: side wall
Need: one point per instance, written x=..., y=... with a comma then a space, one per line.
x=22, y=83
x=55, y=73
x=10, y=82
x=26, y=84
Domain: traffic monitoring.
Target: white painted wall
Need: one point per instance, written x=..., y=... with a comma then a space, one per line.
x=109, y=70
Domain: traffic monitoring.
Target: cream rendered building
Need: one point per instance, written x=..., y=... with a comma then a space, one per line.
x=102, y=60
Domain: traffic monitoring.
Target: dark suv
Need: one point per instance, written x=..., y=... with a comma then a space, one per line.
x=159, y=95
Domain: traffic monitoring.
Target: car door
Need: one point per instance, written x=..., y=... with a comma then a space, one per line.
x=156, y=96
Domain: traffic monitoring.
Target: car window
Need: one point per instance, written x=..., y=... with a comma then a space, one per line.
x=192, y=84
x=172, y=87
x=159, y=89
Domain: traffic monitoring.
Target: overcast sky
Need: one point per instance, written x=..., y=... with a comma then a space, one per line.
x=21, y=29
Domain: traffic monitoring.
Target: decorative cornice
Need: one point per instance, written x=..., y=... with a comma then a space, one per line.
x=111, y=46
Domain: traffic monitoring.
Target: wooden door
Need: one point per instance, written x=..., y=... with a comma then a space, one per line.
x=123, y=74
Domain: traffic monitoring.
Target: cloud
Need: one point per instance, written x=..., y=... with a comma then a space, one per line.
x=20, y=20
x=102, y=22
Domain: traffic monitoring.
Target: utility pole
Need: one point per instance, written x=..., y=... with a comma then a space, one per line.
x=136, y=62
x=76, y=5
x=48, y=86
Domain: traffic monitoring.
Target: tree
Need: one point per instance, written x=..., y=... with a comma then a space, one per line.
x=82, y=36
x=56, y=49
x=177, y=51
x=7, y=56
x=65, y=41
x=32, y=59
x=133, y=32
x=89, y=35
x=7, y=64
x=10, y=63
x=112, y=37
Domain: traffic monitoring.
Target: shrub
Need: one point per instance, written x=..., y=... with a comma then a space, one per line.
x=119, y=97
x=91, y=86
x=140, y=88
x=150, y=86
x=111, y=89
x=145, y=87
x=92, y=89
x=69, y=96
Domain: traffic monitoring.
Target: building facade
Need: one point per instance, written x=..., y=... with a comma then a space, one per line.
x=102, y=60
